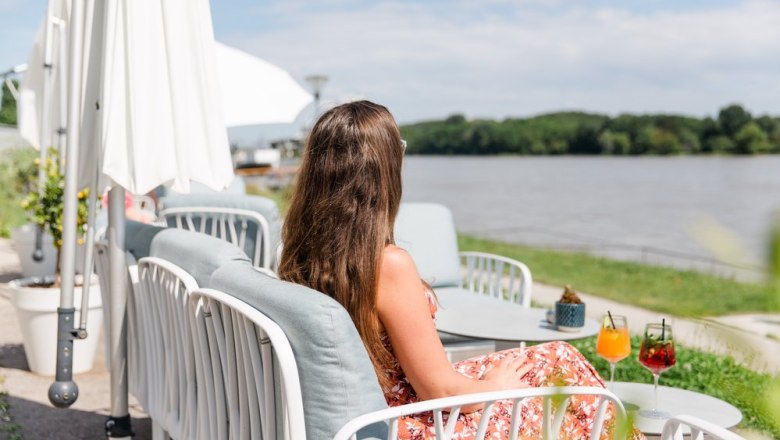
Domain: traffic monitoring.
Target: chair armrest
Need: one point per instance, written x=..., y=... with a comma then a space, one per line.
x=673, y=429
x=498, y=276
x=551, y=423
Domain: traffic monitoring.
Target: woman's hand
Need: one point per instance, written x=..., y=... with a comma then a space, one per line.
x=508, y=373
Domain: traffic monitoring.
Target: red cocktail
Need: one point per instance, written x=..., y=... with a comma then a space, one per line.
x=657, y=355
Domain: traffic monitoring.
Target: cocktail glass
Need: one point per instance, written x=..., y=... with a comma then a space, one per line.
x=613, y=343
x=657, y=355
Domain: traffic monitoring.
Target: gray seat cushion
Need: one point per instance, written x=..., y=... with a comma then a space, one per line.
x=427, y=232
x=337, y=378
x=198, y=254
x=261, y=205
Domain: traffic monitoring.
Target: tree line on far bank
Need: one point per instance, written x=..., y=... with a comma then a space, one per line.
x=734, y=131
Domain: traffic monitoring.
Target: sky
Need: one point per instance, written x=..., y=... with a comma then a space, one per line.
x=498, y=58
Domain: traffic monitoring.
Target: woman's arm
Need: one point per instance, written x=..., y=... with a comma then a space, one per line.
x=404, y=313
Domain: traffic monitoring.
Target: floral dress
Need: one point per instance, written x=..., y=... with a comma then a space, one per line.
x=555, y=363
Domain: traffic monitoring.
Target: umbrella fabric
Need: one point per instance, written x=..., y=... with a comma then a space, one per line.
x=255, y=91
x=161, y=115
x=38, y=121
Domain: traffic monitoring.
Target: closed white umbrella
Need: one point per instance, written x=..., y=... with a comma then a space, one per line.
x=143, y=110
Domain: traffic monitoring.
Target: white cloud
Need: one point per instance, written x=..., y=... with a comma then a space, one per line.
x=426, y=60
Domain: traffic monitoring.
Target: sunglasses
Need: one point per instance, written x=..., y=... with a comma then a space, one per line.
x=403, y=145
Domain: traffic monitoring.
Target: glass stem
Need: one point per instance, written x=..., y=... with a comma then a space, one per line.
x=612, y=376
x=655, y=390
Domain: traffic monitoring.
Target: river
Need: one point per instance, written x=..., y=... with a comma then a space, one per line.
x=707, y=213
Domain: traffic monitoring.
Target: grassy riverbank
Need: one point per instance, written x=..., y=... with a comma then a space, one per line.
x=666, y=290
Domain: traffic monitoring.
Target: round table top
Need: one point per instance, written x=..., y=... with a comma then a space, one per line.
x=478, y=316
x=675, y=401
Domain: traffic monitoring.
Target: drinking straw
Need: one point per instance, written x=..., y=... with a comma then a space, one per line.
x=663, y=328
x=611, y=320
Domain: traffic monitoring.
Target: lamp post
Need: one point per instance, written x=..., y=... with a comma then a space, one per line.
x=317, y=82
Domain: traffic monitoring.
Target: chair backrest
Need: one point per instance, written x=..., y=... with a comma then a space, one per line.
x=198, y=254
x=555, y=402
x=164, y=342
x=699, y=429
x=166, y=339
x=337, y=379
x=261, y=388
x=427, y=232
x=250, y=222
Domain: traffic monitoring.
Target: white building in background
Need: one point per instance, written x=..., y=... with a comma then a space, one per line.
x=9, y=138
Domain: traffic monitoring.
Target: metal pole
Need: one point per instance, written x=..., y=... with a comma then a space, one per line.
x=118, y=424
x=64, y=392
x=44, y=131
x=61, y=128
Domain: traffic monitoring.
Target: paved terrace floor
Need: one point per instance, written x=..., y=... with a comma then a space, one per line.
x=744, y=337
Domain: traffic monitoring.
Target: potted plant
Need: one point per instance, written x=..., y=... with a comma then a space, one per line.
x=569, y=311
x=36, y=299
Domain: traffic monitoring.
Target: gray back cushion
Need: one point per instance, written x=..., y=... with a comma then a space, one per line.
x=138, y=238
x=427, y=232
x=261, y=205
x=198, y=254
x=337, y=378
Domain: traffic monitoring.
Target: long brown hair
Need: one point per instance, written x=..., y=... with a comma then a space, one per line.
x=342, y=214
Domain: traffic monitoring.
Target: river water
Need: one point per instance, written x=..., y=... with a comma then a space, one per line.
x=707, y=213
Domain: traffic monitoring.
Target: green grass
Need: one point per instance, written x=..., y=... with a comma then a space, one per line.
x=280, y=196
x=713, y=375
x=16, y=172
x=666, y=290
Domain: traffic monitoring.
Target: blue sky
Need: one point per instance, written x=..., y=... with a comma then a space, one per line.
x=499, y=58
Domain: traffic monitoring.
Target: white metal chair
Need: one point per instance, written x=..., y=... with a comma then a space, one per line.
x=246, y=229
x=497, y=276
x=675, y=428
x=552, y=415
x=427, y=232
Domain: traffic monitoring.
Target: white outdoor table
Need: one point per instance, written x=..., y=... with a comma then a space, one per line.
x=677, y=402
x=478, y=316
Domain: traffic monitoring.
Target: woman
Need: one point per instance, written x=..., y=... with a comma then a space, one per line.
x=338, y=239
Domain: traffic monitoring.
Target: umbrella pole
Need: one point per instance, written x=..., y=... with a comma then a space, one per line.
x=118, y=423
x=64, y=392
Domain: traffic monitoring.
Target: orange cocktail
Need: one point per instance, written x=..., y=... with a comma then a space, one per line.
x=614, y=343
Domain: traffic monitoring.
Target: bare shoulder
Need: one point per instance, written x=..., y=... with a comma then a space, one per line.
x=397, y=262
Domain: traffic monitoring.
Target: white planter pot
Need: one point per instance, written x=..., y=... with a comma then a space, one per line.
x=36, y=311
x=24, y=242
